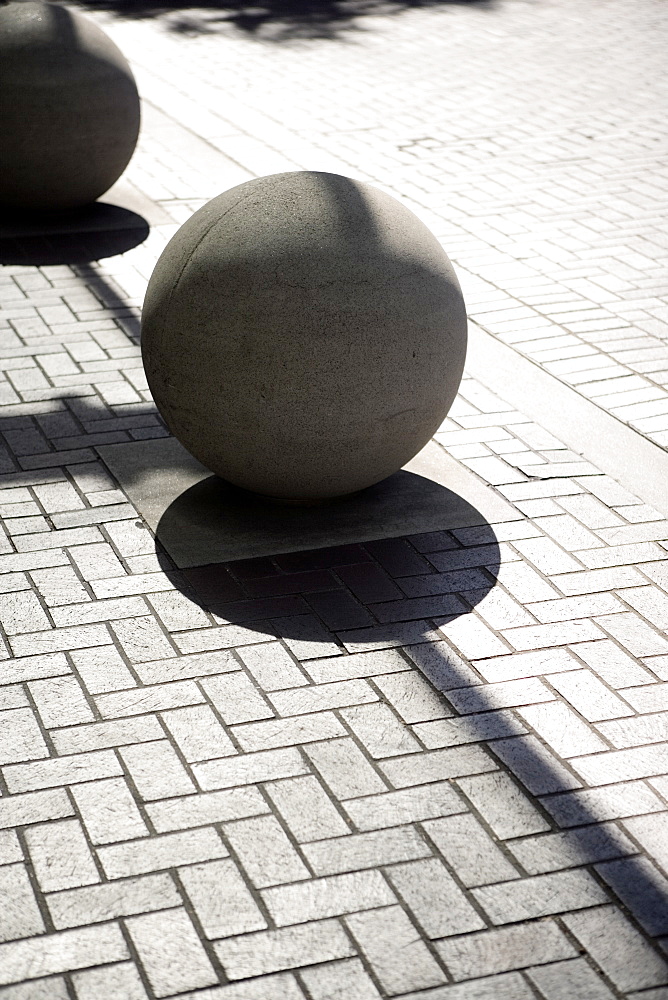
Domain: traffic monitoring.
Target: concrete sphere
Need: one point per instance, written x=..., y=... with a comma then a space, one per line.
x=68, y=105
x=303, y=335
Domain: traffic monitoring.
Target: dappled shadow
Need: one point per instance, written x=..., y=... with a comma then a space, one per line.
x=78, y=236
x=273, y=20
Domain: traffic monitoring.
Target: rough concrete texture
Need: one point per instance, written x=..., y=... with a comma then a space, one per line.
x=304, y=335
x=68, y=105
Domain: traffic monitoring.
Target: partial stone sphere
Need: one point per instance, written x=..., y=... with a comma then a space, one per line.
x=303, y=335
x=69, y=108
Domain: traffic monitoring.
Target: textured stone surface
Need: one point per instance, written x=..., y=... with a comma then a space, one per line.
x=303, y=335
x=69, y=108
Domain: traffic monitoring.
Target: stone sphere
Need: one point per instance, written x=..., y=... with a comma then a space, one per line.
x=303, y=335
x=68, y=105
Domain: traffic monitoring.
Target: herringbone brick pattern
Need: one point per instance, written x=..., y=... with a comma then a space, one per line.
x=430, y=767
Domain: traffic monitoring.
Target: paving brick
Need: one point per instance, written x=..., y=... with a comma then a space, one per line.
x=272, y=667
x=585, y=845
x=198, y=733
x=536, y=767
x=469, y=729
x=648, y=699
x=327, y=897
x=60, y=639
x=97, y=735
x=287, y=948
x=20, y=736
x=365, y=850
x=539, y=896
x=188, y=811
x=358, y=665
x=379, y=730
x=265, y=851
x=60, y=701
x=198, y=665
x=639, y=884
x=148, y=699
x=236, y=698
x=98, y=903
x=142, y=639
x=170, y=952
x=166, y=851
x=617, y=947
x=613, y=801
x=102, y=669
x=34, y=807
x=222, y=901
x=505, y=694
x=20, y=916
x=434, y=898
x=394, y=950
x=469, y=850
x=437, y=765
x=562, y=729
x=530, y=664
x=114, y=982
x=156, y=770
x=62, y=771
x=249, y=769
x=257, y=736
x=636, y=731
x=611, y=663
x=22, y=612
x=564, y=980
x=63, y=952
x=622, y=765
x=109, y=811
x=502, y=805
x=307, y=809
x=60, y=855
x=339, y=694
x=375, y=812
x=344, y=768
x=339, y=980
x=504, y=949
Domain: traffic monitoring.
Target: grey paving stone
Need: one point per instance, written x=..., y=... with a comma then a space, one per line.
x=155, y=698
x=282, y=986
x=340, y=980
x=102, y=670
x=344, y=768
x=272, y=666
x=585, y=845
x=61, y=771
x=287, y=948
x=371, y=664
x=236, y=698
x=166, y=851
x=142, y=639
x=109, y=811
x=564, y=980
x=98, y=903
x=610, y=802
x=198, y=733
x=98, y=735
x=44, y=989
x=222, y=901
x=365, y=850
x=331, y=896
x=379, y=730
x=375, y=812
x=434, y=898
x=114, y=982
x=62, y=952
x=636, y=731
x=436, y=765
x=540, y=896
x=538, y=770
x=298, y=729
x=171, y=952
x=469, y=729
x=621, y=765
x=156, y=770
x=502, y=805
x=184, y=812
x=490, y=952
x=393, y=947
x=249, y=769
x=338, y=694
x=469, y=850
x=20, y=916
x=60, y=855
x=307, y=809
x=562, y=729
x=197, y=665
x=642, y=887
x=265, y=851
x=618, y=948
x=20, y=736
x=34, y=807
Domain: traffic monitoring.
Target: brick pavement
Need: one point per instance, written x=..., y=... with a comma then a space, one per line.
x=430, y=767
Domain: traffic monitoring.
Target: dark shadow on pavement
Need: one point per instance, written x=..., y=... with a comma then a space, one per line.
x=396, y=592
x=75, y=237
x=272, y=20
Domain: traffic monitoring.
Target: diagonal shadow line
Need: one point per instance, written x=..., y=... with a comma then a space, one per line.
x=642, y=890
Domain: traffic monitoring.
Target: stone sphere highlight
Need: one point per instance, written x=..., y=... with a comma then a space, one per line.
x=68, y=105
x=303, y=335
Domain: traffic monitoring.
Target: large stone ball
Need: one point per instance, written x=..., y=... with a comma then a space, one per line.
x=68, y=105
x=303, y=335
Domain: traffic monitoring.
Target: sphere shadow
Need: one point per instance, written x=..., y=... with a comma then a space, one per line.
x=278, y=586
x=76, y=237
